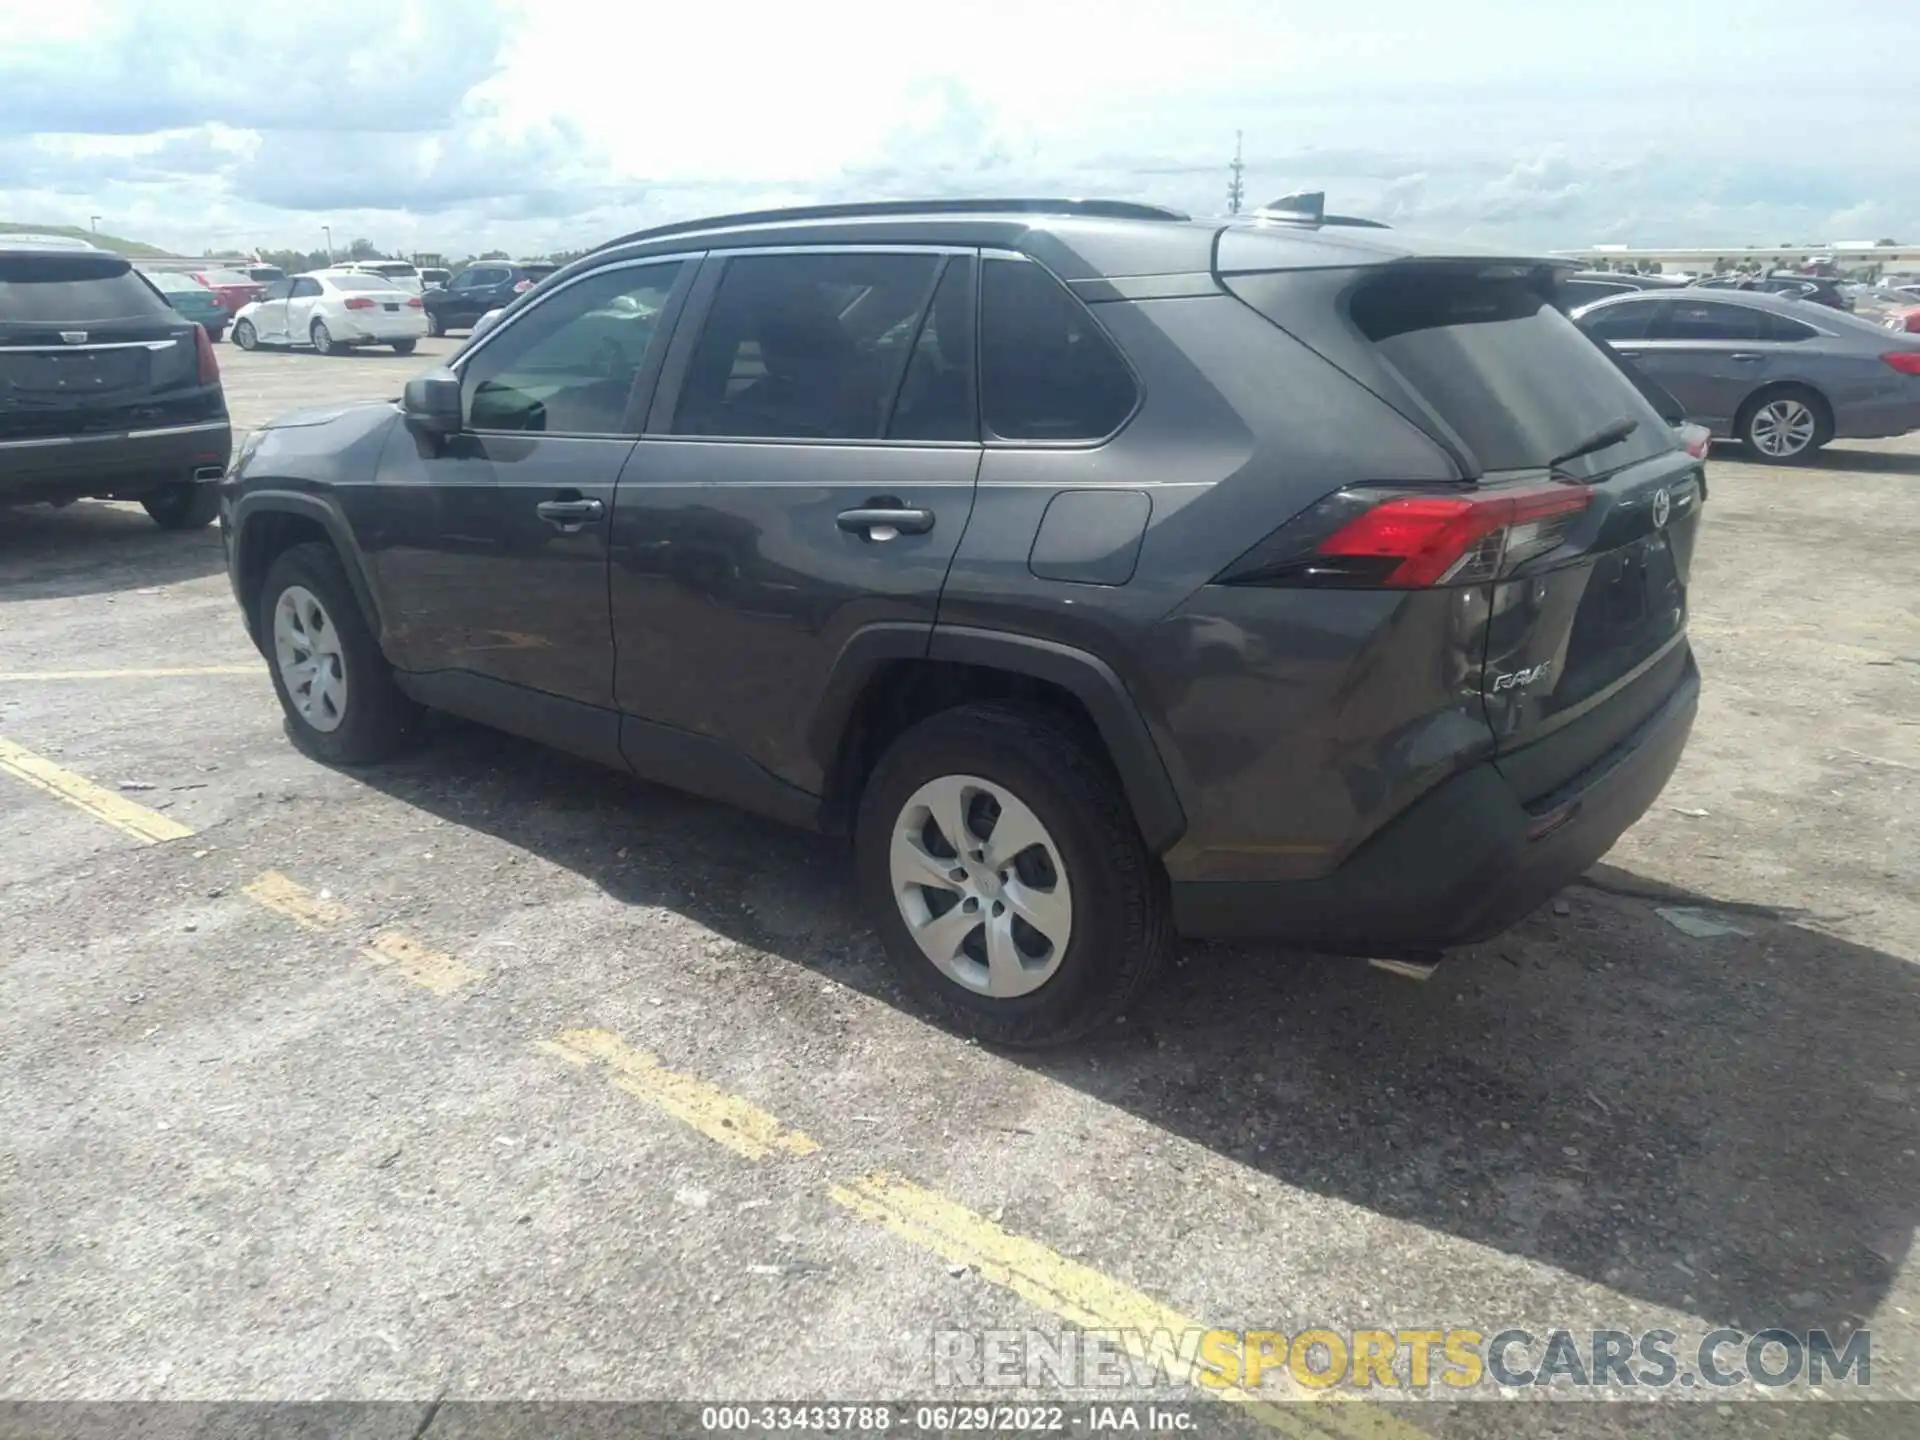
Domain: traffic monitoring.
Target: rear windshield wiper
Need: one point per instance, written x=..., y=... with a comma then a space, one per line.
x=1612, y=433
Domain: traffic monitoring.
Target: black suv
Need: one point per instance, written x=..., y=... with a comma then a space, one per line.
x=106, y=391
x=484, y=285
x=1104, y=573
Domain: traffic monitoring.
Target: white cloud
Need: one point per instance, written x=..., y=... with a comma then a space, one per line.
x=535, y=124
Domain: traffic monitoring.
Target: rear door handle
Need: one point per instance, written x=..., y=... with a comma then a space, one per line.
x=1630, y=354
x=569, y=515
x=1747, y=355
x=884, y=522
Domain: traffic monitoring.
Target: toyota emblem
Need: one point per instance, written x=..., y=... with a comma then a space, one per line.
x=1662, y=508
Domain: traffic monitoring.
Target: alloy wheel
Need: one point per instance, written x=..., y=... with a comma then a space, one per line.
x=982, y=886
x=1782, y=428
x=306, y=647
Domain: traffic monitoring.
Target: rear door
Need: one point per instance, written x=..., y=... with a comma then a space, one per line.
x=1589, y=610
x=807, y=471
x=87, y=347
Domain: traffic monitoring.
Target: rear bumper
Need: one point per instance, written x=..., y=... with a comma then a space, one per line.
x=1879, y=419
x=1461, y=864
x=382, y=328
x=126, y=463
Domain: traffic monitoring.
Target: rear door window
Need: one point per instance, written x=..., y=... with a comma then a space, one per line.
x=805, y=346
x=60, y=289
x=1514, y=378
x=1047, y=371
x=1779, y=327
x=1707, y=320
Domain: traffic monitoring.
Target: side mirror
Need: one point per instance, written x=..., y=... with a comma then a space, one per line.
x=431, y=403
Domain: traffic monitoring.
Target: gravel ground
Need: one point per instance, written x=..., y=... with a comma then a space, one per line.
x=317, y=1150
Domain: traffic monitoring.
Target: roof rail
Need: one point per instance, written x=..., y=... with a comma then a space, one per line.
x=862, y=209
x=1309, y=207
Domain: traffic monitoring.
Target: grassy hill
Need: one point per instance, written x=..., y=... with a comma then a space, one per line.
x=134, y=249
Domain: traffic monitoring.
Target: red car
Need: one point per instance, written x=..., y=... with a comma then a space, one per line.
x=231, y=288
x=1908, y=320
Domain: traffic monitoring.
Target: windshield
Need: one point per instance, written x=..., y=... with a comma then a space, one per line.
x=225, y=277
x=360, y=282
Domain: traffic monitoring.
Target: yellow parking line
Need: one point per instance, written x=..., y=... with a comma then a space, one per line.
x=428, y=968
x=297, y=903
x=147, y=826
x=734, y=1121
x=1090, y=1300
x=167, y=673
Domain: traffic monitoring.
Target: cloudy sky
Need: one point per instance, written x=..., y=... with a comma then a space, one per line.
x=532, y=125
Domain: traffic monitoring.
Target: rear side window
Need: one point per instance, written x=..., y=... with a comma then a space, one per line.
x=60, y=289
x=805, y=347
x=1047, y=371
x=1514, y=378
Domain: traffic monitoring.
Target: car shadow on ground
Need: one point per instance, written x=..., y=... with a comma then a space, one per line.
x=92, y=548
x=1724, y=1126
x=1867, y=462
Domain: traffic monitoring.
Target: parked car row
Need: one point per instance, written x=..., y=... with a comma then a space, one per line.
x=331, y=311
x=1590, y=285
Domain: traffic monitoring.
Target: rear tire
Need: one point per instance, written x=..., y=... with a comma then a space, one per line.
x=434, y=327
x=187, y=506
x=1086, y=873
x=322, y=338
x=215, y=333
x=1784, y=425
x=341, y=703
x=243, y=335
x=403, y=347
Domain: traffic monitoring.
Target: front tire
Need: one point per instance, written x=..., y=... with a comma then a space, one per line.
x=244, y=336
x=403, y=347
x=187, y=506
x=1785, y=426
x=334, y=685
x=322, y=338
x=1073, y=916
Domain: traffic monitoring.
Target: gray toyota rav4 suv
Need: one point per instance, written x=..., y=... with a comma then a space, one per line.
x=1105, y=574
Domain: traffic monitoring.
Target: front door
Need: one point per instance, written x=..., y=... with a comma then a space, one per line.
x=491, y=547
x=808, y=469
x=299, y=309
x=269, y=318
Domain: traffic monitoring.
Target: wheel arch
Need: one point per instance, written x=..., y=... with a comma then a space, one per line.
x=889, y=677
x=1766, y=390
x=268, y=522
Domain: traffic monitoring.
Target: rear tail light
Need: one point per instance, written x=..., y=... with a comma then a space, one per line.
x=1696, y=438
x=523, y=287
x=207, y=362
x=416, y=304
x=1400, y=540
x=1907, y=362
x=359, y=302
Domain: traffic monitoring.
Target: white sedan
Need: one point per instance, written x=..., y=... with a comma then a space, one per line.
x=332, y=310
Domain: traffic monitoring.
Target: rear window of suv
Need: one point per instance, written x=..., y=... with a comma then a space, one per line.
x=58, y=289
x=1512, y=376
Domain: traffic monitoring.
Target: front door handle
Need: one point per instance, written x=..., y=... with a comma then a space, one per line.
x=569, y=515
x=1746, y=355
x=883, y=522
x=1630, y=354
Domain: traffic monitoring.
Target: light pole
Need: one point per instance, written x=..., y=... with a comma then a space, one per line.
x=94, y=221
x=327, y=230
